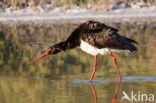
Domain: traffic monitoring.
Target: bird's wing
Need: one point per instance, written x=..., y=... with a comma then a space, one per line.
x=113, y=41
x=97, y=28
x=90, y=27
x=100, y=36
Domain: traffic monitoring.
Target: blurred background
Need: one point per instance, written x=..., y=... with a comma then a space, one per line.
x=29, y=27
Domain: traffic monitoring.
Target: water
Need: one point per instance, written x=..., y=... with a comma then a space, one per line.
x=64, y=78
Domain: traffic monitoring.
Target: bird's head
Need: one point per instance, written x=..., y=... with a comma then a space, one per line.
x=50, y=51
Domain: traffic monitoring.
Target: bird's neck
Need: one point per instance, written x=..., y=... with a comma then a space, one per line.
x=76, y=32
x=72, y=41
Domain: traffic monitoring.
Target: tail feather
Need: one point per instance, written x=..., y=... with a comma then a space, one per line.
x=131, y=40
x=130, y=45
x=127, y=42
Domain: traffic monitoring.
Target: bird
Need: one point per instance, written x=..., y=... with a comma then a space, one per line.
x=94, y=38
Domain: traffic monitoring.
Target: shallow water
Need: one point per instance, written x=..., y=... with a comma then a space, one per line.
x=64, y=78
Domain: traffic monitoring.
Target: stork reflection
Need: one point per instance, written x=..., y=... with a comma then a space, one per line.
x=94, y=91
x=116, y=93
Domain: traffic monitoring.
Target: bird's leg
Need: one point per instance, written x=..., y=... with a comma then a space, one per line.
x=94, y=69
x=94, y=91
x=114, y=58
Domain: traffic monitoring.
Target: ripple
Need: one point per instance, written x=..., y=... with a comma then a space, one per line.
x=124, y=79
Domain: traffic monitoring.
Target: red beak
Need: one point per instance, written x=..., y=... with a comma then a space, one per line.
x=45, y=54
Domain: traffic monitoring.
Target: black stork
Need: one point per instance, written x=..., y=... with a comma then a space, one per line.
x=94, y=38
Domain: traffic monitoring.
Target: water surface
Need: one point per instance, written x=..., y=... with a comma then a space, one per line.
x=64, y=78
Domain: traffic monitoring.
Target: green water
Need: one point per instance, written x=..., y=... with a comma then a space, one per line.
x=64, y=78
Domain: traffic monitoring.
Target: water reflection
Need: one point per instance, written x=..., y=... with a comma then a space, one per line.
x=131, y=79
x=20, y=89
x=95, y=94
x=116, y=93
x=94, y=91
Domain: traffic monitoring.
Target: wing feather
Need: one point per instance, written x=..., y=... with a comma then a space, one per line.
x=99, y=35
x=112, y=41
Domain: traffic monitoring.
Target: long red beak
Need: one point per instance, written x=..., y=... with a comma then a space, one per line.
x=45, y=54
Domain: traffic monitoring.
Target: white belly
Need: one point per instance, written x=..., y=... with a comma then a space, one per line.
x=95, y=51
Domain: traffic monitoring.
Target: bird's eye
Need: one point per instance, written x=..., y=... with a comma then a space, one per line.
x=50, y=52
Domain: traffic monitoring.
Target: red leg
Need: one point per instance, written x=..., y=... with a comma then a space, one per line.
x=114, y=58
x=94, y=69
x=94, y=91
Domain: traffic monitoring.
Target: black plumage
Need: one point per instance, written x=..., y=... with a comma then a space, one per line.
x=98, y=35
